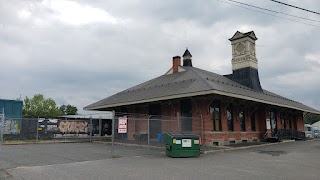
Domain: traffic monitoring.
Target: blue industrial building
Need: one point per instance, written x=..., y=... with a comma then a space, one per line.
x=13, y=113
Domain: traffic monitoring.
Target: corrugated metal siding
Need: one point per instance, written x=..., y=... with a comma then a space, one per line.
x=12, y=108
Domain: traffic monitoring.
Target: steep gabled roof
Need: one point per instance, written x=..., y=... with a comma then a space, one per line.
x=187, y=53
x=193, y=82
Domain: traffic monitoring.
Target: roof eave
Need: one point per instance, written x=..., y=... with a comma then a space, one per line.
x=197, y=94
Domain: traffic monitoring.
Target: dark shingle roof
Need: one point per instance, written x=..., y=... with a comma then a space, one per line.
x=192, y=82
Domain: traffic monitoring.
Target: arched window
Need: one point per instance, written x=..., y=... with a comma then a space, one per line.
x=230, y=117
x=273, y=122
x=290, y=123
x=242, y=121
x=253, y=121
x=283, y=120
x=215, y=115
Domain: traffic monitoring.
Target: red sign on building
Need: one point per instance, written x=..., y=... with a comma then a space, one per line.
x=122, y=126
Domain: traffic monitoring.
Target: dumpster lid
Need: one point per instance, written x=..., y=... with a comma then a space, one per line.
x=182, y=134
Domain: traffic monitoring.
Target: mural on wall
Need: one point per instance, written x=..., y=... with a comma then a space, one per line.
x=10, y=127
x=73, y=126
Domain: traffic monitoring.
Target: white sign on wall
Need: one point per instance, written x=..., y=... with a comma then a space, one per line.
x=122, y=126
x=186, y=142
x=178, y=141
x=268, y=124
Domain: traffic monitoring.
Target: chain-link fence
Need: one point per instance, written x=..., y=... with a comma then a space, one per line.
x=144, y=131
x=135, y=130
x=17, y=130
x=150, y=130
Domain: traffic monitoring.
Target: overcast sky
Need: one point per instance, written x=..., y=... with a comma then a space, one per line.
x=79, y=51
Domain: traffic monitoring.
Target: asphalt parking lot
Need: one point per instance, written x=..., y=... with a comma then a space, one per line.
x=294, y=160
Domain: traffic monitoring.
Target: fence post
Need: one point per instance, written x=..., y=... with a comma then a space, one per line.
x=2, y=124
x=112, y=139
x=91, y=127
x=100, y=127
x=65, y=132
x=37, y=130
x=1, y=129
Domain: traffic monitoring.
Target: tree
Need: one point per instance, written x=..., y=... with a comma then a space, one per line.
x=68, y=109
x=40, y=106
x=310, y=119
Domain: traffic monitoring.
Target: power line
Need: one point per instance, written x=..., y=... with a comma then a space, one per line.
x=270, y=14
x=295, y=7
x=273, y=11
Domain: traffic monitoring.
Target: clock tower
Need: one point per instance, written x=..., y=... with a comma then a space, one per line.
x=244, y=61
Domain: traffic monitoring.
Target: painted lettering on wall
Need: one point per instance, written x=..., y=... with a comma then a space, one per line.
x=10, y=127
x=73, y=126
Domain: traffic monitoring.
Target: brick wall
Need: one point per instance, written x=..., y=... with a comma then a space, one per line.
x=170, y=111
x=300, y=123
x=196, y=121
x=224, y=137
x=279, y=121
x=261, y=127
x=137, y=121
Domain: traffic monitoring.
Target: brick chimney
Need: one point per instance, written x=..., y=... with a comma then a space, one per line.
x=176, y=61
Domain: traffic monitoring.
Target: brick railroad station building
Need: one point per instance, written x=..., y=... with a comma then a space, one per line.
x=234, y=108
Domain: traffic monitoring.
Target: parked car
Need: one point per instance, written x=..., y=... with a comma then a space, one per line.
x=316, y=133
x=308, y=130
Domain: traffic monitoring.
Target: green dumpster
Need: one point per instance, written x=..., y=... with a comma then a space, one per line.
x=182, y=144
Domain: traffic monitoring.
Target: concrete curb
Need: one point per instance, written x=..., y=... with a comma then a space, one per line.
x=130, y=145
x=225, y=149
x=44, y=142
x=245, y=147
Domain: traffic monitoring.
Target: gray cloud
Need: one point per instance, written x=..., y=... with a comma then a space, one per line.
x=85, y=61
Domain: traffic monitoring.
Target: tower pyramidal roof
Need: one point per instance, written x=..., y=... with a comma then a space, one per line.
x=187, y=53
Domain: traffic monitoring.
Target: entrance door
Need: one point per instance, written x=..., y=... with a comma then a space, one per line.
x=155, y=122
x=186, y=115
x=273, y=123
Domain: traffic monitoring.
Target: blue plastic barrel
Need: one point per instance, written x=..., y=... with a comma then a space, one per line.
x=159, y=137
